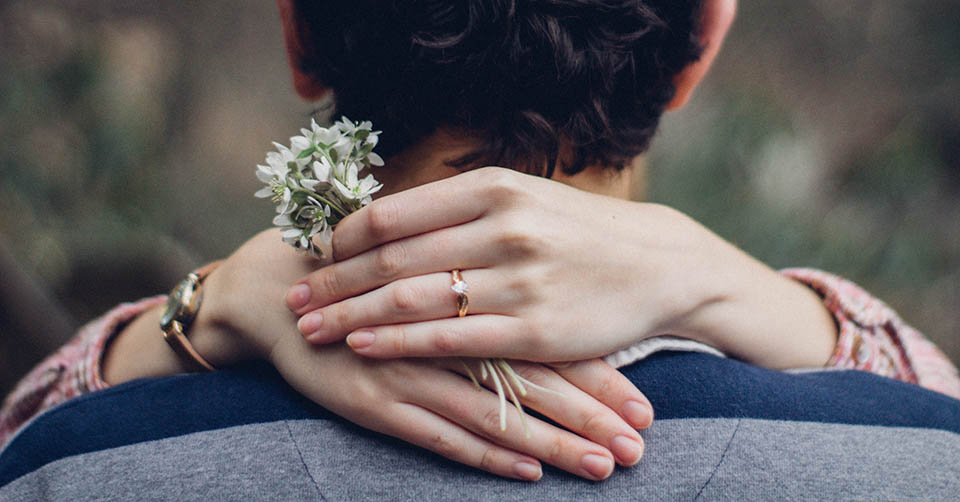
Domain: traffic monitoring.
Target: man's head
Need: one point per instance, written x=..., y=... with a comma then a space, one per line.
x=582, y=80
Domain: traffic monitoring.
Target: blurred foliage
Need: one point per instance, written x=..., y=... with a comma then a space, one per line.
x=827, y=135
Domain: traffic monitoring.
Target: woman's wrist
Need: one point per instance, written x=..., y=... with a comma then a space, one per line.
x=214, y=332
x=765, y=318
x=140, y=351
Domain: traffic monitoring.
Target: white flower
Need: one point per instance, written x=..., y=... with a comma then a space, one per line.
x=316, y=181
x=353, y=188
x=318, y=174
x=321, y=170
x=320, y=137
x=343, y=147
x=277, y=175
x=299, y=144
x=350, y=127
x=285, y=158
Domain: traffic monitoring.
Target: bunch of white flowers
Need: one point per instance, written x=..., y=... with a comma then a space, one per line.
x=316, y=181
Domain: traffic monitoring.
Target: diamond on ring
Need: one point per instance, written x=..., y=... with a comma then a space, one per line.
x=460, y=288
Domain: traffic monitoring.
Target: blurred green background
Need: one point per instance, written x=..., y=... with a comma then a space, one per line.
x=828, y=135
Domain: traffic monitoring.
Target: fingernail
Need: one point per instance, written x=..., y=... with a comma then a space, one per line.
x=638, y=414
x=360, y=340
x=528, y=471
x=298, y=297
x=310, y=323
x=627, y=450
x=597, y=466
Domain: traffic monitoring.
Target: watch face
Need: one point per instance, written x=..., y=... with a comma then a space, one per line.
x=173, y=305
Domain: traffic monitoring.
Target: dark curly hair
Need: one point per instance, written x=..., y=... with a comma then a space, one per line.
x=530, y=78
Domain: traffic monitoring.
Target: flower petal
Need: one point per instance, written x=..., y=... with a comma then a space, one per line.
x=327, y=235
x=352, y=172
x=375, y=160
x=282, y=220
x=264, y=174
x=321, y=169
x=299, y=143
x=344, y=191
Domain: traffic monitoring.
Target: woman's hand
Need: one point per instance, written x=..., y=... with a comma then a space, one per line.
x=555, y=274
x=424, y=402
x=421, y=401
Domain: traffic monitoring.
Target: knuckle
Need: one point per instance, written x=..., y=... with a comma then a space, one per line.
x=501, y=184
x=444, y=445
x=405, y=298
x=447, y=341
x=605, y=385
x=337, y=244
x=522, y=290
x=557, y=451
x=591, y=424
x=518, y=242
x=340, y=317
x=400, y=340
x=389, y=260
x=488, y=459
x=327, y=283
x=490, y=422
x=382, y=217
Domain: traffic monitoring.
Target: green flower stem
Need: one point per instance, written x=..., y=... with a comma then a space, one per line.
x=336, y=207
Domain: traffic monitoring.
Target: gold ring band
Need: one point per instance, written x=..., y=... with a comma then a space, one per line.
x=460, y=288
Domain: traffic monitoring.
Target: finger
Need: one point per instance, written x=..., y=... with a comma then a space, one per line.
x=611, y=388
x=480, y=413
x=436, y=205
x=426, y=429
x=420, y=298
x=481, y=335
x=571, y=407
x=440, y=251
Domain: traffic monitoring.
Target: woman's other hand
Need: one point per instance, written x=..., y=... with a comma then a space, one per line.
x=555, y=274
x=426, y=403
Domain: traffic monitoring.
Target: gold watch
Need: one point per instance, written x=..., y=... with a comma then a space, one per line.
x=182, y=306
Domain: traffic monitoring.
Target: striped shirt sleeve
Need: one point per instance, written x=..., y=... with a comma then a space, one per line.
x=873, y=338
x=72, y=370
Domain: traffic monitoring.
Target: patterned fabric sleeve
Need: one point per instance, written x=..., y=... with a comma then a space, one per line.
x=72, y=370
x=873, y=338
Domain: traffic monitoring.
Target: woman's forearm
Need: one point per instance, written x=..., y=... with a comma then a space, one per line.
x=767, y=319
x=140, y=351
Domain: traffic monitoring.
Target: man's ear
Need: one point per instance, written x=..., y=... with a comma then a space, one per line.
x=307, y=87
x=716, y=18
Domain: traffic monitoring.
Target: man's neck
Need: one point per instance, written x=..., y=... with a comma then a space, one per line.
x=428, y=161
